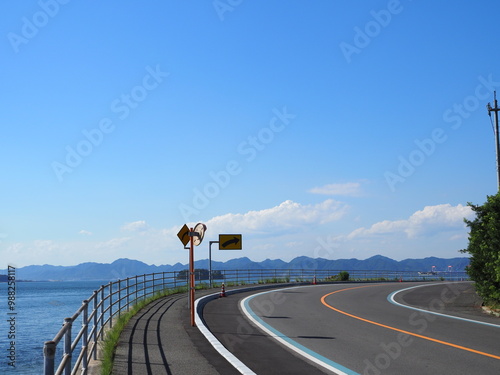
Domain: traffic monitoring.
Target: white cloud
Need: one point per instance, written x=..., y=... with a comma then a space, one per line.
x=38, y=252
x=430, y=220
x=15, y=248
x=440, y=217
x=284, y=231
x=459, y=237
x=46, y=245
x=288, y=215
x=349, y=188
x=135, y=226
x=381, y=227
x=113, y=243
x=85, y=232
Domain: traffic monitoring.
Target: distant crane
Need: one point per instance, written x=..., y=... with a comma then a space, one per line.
x=495, y=130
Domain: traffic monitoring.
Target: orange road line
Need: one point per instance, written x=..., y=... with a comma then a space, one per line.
x=397, y=329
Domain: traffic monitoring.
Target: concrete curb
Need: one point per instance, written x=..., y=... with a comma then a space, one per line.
x=487, y=310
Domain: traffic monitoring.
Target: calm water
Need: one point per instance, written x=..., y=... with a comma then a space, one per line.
x=40, y=310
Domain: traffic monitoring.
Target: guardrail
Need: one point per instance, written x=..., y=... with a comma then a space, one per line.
x=300, y=275
x=111, y=300
x=96, y=314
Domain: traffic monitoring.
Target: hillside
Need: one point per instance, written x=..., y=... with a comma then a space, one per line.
x=123, y=268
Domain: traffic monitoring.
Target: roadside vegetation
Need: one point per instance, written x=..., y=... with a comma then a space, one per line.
x=484, y=249
x=342, y=276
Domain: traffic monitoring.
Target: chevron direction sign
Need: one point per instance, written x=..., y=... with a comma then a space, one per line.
x=184, y=235
x=230, y=242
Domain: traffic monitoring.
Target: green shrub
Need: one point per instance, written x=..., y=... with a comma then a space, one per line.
x=484, y=239
x=344, y=276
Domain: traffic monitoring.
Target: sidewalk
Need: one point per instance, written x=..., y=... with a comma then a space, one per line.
x=159, y=339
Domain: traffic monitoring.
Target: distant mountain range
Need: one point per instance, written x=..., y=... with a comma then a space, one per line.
x=123, y=268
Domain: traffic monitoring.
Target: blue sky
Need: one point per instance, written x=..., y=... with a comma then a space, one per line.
x=326, y=129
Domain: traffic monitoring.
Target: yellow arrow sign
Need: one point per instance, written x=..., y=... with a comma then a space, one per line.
x=184, y=235
x=230, y=242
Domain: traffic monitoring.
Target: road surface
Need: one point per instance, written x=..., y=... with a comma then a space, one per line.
x=358, y=329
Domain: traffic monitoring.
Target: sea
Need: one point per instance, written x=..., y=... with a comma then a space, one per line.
x=39, y=312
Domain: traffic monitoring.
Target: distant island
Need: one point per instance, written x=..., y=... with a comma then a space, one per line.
x=123, y=268
x=5, y=278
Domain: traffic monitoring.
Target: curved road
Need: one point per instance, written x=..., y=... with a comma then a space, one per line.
x=358, y=329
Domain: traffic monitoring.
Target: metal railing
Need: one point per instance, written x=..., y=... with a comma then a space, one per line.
x=97, y=314
x=106, y=304
x=239, y=277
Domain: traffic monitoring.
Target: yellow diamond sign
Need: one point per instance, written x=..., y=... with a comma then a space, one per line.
x=184, y=235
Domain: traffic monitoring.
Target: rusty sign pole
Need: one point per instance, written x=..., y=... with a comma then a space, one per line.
x=191, y=275
x=186, y=235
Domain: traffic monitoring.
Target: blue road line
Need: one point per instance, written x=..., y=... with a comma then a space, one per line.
x=298, y=348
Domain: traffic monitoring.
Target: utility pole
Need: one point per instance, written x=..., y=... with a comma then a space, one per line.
x=497, y=145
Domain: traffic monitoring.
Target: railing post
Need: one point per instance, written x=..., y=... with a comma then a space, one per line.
x=136, y=295
x=101, y=328
x=85, y=338
x=49, y=353
x=119, y=298
x=145, y=286
x=94, y=297
x=67, y=346
x=128, y=294
x=110, y=285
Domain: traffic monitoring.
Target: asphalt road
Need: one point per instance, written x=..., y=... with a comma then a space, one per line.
x=356, y=329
